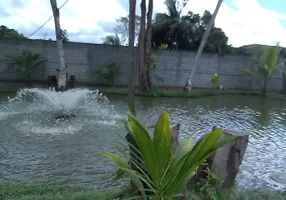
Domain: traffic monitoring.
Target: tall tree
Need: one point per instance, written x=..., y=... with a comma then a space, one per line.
x=142, y=71
x=148, y=43
x=62, y=66
x=122, y=29
x=171, y=23
x=188, y=85
x=131, y=88
x=267, y=61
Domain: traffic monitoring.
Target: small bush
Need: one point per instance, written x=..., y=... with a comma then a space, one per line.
x=214, y=80
x=108, y=72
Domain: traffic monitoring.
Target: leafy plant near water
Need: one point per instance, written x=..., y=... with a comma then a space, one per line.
x=108, y=72
x=159, y=170
x=209, y=183
x=267, y=62
x=25, y=63
x=153, y=67
x=247, y=73
x=214, y=80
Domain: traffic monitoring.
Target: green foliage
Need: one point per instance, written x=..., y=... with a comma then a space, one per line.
x=185, y=32
x=246, y=72
x=55, y=192
x=25, y=63
x=214, y=80
x=122, y=29
x=108, y=72
x=6, y=32
x=157, y=77
x=163, y=171
x=267, y=62
x=163, y=47
x=153, y=62
x=64, y=36
x=113, y=40
x=209, y=184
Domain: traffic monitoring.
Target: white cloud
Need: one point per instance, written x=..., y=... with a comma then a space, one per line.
x=245, y=23
x=77, y=16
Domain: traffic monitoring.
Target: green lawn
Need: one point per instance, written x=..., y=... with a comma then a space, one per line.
x=194, y=93
x=57, y=192
x=54, y=192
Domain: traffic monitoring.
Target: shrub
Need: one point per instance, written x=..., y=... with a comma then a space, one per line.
x=108, y=72
x=214, y=80
x=25, y=63
x=154, y=167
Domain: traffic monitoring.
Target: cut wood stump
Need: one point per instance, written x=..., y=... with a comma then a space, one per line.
x=225, y=162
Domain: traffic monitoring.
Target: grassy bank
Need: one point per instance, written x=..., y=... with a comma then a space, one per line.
x=195, y=93
x=179, y=93
x=53, y=192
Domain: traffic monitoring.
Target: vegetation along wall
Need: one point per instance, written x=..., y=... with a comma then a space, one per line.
x=172, y=68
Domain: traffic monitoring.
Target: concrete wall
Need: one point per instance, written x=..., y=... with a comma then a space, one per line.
x=172, y=66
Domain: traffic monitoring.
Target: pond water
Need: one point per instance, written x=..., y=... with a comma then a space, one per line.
x=34, y=147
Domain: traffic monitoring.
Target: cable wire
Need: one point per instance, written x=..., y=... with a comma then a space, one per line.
x=46, y=21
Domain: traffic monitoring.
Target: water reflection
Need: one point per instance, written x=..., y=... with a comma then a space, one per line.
x=35, y=148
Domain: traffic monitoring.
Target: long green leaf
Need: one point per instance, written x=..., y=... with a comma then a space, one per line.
x=183, y=149
x=162, y=143
x=120, y=163
x=145, y=144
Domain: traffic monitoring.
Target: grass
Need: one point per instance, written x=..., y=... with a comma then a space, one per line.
x=10, y=88
x=63, y=192
x=179, y=93
x=194, y=93
x=54, y=192
x=234, y=194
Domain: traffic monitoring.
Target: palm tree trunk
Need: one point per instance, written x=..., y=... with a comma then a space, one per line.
x=148, y=44
x=188, y=84
x=29, y=83
x=131, y=88
x=62, y=67
x=142, y=71
x=265, y=84
x=284, y=82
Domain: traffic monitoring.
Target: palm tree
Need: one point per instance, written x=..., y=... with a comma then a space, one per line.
x=202, y=45
x=171, y=22
x=142, y=72
x=267, y=62
x=113, y=40
x=148, y=43
x=25, y=63
x=131, y=98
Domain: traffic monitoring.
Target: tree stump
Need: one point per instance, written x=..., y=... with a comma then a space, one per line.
x=175, y=136
x=225, y=162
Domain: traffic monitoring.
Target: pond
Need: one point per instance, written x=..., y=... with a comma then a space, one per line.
x=34, y=147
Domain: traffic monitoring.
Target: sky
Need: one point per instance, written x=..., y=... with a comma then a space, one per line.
x=244, y=21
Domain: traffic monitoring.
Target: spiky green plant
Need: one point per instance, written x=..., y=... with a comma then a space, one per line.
x=108, y=72
x=25, y=63
x=267, y=62
x=214, y=80
x=160, y=172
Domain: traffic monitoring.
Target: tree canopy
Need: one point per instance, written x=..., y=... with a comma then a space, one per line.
x=6, y=32
x=185, y=32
